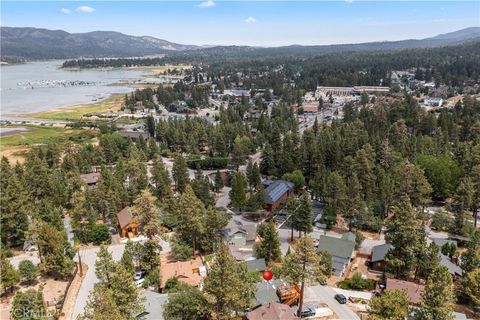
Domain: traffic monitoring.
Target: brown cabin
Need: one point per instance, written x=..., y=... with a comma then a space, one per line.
x=127, y=223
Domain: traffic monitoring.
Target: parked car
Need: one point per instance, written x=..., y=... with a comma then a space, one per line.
x=139, y=282
x=340, y=298
x=140, y=274
x=307, y=312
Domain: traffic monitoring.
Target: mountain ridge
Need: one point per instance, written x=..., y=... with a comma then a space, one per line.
x=29, y=43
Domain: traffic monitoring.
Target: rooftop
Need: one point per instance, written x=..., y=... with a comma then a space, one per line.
x=414, y=290
x=90, y=178
x=187, y=272
x=379, y=252
x=338, y=247
x=272, y=311
x=276, y=190
x=124, y=217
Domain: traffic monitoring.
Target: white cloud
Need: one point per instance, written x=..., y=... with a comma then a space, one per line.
x=207, y=4
x=65, y=11
x=250, y=20
x=85, y=9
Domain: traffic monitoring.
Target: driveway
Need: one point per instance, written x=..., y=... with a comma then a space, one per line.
x=88, y=257
x=224, y=198
x=32, y=256
x=325, y=294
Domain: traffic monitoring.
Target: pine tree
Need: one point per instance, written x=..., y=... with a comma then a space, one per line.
x=114, y=277
x=186, y=302
x=9, y=276
x=145, y=211
x=463, y=201
x=161, y=180
x=101, y=305
x=237, y=194
x=16, y=206
x=305, y=266
x=428, y=260
x=180, y=173
x=191, y=217
x=302, y=218
x=28, y=271
x=218, y=181
x=392, y=304
x=227, y=285
x=253, y=175
x=405, y=235
x=269, y=245
x=438, y=299
x=471, y=258
x=54, y=251
x=471, y=286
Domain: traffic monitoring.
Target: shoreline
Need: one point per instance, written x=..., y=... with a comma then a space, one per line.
x=70, y=112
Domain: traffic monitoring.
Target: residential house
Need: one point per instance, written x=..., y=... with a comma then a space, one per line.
x=90, y=179
x=433, y=102
x=240, y=238
x=341, y=249
x=276, y=193
x=414, y=290
x=152, y=303
x=266, y=292
x=454, y=270
x=379, y=252
x=188, y=272
x=127, y=223
x=272, y=311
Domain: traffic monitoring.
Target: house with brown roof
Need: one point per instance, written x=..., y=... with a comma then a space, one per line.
x=272, y=311
x=90, y=179
x=414, y=290
x=127, y=223
x=188, y=272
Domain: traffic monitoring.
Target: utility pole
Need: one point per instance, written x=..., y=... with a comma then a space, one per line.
x=80, y=262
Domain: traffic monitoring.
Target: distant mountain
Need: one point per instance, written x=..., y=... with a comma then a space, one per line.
x=452, y=38
x=34, y=44
x=463, y=34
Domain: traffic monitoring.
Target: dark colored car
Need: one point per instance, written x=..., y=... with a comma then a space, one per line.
x=307, y=312
x=340, y=298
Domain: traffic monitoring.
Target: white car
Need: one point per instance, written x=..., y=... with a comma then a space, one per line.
x=139, y=282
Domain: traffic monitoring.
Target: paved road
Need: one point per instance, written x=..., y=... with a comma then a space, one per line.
x=325, y=295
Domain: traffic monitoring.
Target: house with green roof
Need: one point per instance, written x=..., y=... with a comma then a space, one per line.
x=341, y=249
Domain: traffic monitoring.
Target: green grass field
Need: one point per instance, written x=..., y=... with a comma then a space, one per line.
x=44, y=135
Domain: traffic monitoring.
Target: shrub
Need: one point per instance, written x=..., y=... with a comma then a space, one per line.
x=181, y=251
x=357, y=283
x=28, y=271
x=441, y=221
x=99, y=234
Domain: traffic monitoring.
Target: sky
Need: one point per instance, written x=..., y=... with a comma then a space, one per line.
x=257, y=23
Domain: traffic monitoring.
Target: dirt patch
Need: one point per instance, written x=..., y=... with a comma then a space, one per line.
x=15, y=154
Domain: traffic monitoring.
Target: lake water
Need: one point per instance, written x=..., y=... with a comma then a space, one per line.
x=54, y=87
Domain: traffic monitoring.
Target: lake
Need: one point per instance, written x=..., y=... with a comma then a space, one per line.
x=40, y=86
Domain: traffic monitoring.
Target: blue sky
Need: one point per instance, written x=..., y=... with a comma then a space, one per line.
x=260, y=23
